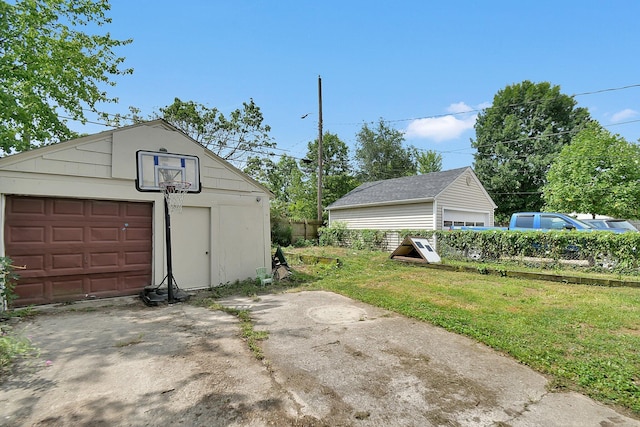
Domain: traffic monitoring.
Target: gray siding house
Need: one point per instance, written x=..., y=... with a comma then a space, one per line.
x=432, y=201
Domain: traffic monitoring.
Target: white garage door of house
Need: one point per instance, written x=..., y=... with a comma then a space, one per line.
x=75, y=249
x=469, y=218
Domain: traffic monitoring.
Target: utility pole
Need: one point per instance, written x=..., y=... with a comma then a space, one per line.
x=319, y=149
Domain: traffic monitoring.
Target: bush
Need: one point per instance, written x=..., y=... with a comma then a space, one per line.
x=334, y=235
x=281, y=233
x=7, y=281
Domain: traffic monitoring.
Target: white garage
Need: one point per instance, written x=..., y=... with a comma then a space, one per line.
x=432, y=201
x=73, y=217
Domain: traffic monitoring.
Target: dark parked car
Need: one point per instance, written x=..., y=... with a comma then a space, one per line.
x=615, y=225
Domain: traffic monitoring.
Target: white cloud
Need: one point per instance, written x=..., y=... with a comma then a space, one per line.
x=440, y=128
x=459, y=107
x=447, y=127
x=623, y=115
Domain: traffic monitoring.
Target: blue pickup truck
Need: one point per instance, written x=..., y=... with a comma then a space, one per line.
x=540, y=221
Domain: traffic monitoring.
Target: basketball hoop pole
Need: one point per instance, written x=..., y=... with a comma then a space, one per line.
x=167, y=234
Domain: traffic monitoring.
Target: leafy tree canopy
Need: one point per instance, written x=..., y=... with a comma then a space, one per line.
x=234, y=138
x=294, y=197
x=380, y=154
x=517, y=139
x=598, y=173
x=337, y=179
x=428, y=161
x=294, y=184
x=49, y=68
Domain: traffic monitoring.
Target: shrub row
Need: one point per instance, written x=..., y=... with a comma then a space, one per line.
x=599, y=250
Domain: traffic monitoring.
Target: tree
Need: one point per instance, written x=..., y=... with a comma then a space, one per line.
x=380, y=154
x=517, y=139
x=428, y=161
x=294, y=197
x=50, y=71
x=295, y=184
x=337, y=179
x=598, y=173
x=234, y=139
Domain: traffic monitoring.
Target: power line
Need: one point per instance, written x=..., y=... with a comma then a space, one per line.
x=477, y=110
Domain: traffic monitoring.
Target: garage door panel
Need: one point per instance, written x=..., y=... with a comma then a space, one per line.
x=100, y=285
x=133, y=259
x=137, y=210
x=69, y=256
x=29, y=207
x=67, y=287
x=68, y=207
x=25, y=234
x=110, y=259
x=104, y=234
x=67, y=234
x=137, y=234
x=101, y=209
x=61, y=263
x=31, y=291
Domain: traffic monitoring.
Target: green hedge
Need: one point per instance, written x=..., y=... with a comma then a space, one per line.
x=339, y=235
x=597, y=250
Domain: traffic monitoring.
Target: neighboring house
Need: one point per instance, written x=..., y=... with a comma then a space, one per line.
x=432, y=201
x=71, y=214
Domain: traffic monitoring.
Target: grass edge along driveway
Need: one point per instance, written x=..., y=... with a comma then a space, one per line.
x=585, y=338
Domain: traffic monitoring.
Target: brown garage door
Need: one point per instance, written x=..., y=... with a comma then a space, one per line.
x=76, y=249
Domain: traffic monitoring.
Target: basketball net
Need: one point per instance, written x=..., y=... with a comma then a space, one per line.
x=174, y=192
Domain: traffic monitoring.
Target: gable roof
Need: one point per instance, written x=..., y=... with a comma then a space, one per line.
x=14, y=160
x=405, y=189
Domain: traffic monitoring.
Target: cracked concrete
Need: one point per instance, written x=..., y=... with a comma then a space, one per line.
x=329, y=361
x=339, y=356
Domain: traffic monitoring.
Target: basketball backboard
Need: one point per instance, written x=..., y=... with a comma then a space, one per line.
x=154, y=168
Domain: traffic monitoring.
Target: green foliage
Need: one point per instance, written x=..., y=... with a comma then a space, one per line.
x=428, y=161
x=8, y=279
x=334, y=235
x=380, y=154
x=295, y=186
x=518, y=137
x=303, y=243
x=618, y=252
x=337, y=179
x=281, y=232
x=51, y=66
x=598, y=173
x=295, y=197
x=339, y=235
x=13, y=347
x=231, y=138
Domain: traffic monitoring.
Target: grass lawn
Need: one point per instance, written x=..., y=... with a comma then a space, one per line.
x=585, y=338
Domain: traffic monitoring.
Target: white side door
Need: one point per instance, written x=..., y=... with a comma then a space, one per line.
x=191, y=247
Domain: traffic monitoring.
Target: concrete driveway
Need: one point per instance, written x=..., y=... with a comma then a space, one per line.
x=329, y=361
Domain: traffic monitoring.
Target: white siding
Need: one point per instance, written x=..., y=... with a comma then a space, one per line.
x=465, y=194
x=89, y=159
x=417, y=216
x=103, y=166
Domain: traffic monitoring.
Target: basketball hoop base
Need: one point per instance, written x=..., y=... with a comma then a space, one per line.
x=154, y=296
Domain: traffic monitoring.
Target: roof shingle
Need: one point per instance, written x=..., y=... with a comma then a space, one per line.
x=426, y=186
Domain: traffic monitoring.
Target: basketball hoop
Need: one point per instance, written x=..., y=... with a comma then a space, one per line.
x=174, y=192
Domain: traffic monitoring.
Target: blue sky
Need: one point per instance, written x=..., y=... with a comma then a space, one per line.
x=413, y=63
